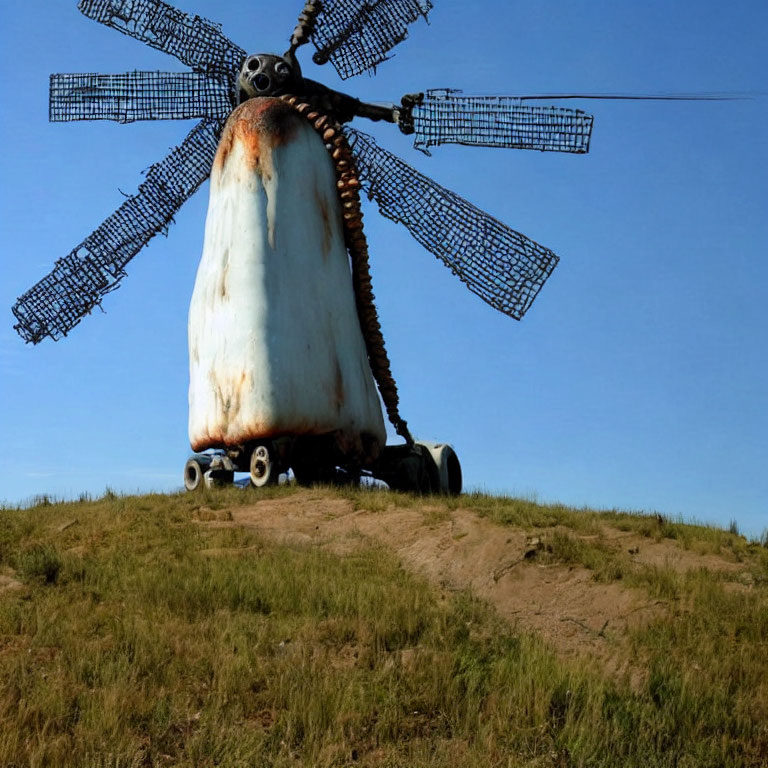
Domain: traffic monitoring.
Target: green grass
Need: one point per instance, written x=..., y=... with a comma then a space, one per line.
x=144, y=639
x=527, y=514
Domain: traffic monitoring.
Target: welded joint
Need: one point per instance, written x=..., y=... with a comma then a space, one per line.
x=405, y=112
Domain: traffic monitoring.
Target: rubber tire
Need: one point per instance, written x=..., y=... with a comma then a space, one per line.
x=193, y=475
x=429, y=481
x=263, y=469
x=455, y=479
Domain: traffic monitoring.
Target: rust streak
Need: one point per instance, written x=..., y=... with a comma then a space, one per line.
x=223, y=291
x=348, y=185
x=231, y=439
x=254, y=122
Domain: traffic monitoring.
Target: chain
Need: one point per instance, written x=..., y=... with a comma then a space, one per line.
x=348, y=187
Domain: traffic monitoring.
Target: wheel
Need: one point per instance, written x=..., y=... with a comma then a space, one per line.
x=193, y=475
x=263, y=469
x=429, y=479
x=442, y=468
x=411, y=474
x=455, y=479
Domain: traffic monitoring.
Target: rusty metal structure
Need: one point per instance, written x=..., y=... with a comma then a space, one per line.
x=357, y=246
x=503, y=267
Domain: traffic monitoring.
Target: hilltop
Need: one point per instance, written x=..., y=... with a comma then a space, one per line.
x=335, y=627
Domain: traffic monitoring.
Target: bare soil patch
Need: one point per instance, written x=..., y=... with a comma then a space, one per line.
x=458, y=550
x=667, y=553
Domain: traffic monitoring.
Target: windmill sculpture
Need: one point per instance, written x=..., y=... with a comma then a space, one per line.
x=285, y=345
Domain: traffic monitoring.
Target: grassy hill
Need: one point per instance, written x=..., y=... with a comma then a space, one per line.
x=366, y=628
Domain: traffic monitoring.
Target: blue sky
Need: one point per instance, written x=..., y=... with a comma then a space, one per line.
x=637, y=379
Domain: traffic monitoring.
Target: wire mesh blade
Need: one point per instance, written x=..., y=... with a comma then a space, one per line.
x=503, y=267
x=448, y=117
x=195, y=41
x=140, y=96
x=356, y=35
x=80, y=280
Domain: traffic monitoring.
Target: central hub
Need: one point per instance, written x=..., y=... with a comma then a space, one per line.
x=266, y=74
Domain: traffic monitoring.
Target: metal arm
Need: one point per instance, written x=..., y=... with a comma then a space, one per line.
x=345, y=108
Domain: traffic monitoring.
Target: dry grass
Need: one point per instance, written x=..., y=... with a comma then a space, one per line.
x=143, y=639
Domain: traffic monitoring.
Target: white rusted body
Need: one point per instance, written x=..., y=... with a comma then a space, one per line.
x=275, y=344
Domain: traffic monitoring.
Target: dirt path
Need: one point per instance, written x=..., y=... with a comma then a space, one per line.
x=458, y=550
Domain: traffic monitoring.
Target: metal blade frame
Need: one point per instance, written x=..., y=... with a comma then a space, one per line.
x=193, y=40
x=357, y=35
x=133, y=96
x=80, y=280
x=503, y=267
x=447, y=116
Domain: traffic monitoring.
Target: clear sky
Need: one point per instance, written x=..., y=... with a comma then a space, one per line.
x=636, y=381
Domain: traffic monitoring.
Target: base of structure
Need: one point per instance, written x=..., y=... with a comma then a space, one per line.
x=418, y=468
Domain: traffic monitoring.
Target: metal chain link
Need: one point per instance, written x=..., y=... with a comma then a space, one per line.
x=348, y=186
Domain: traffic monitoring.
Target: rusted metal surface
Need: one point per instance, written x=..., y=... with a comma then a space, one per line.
x=348, y=186
x=502, y=266
x=249, y=125
x=265, y=74
x=275, y=342
x=306, y=25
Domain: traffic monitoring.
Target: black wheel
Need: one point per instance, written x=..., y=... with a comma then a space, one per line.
x=193, y=475
x=429, y=477
x=411, y=473
x=263, y=468
x=455, y=479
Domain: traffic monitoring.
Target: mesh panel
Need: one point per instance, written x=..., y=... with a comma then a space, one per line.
x=80, y=280
x=140, y=96
x=195, y=41
x=355, y=35
x=498, y=121
x=503, y=267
